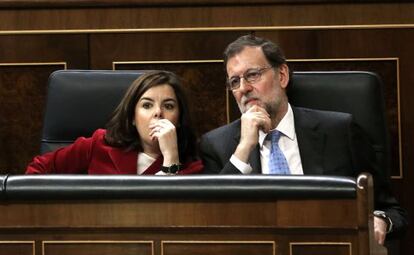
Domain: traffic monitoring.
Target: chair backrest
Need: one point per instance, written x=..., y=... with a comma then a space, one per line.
x=355, y=92
x=79, y=102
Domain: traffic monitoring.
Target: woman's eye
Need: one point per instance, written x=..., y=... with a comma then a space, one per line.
x=169, y=106
x=146, y=105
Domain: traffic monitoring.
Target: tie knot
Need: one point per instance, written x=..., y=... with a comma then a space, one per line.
x=274, y=136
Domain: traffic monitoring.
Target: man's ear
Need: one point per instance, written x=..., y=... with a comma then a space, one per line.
x=284, y=75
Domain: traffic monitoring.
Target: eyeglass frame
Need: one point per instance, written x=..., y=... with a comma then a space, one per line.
x=260, y=71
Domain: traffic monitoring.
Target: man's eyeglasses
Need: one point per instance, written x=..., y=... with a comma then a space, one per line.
x=250, y=76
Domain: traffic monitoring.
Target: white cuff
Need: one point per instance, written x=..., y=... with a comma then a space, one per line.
x=240, y=165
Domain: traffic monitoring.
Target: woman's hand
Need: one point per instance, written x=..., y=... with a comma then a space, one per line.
x=164, y=131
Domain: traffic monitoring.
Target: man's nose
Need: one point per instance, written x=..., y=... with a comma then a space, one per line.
x=244, y=86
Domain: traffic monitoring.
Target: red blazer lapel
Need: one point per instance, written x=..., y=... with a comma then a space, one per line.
x=124, y=161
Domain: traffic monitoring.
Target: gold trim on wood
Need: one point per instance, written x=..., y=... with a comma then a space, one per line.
x=114, y=63
x=340, y=59
x=44, y=243
x=200, y=29
x=291, y=244
x=273, y=243
x=21, y=242
x=35, y=64
x=399, y=122
x=228, y=105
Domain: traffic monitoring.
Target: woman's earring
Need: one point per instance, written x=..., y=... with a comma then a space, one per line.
x=133, y=123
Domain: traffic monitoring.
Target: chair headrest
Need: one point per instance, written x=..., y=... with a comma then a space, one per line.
x=81, y=101
x=355, y=92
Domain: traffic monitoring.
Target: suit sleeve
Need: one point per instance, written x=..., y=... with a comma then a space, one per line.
x=73, y=159
x=214, y=161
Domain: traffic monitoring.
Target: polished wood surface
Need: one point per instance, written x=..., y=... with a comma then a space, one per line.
x=60, y=20
x=106, y=34
x=95, y=214
x=134, y=3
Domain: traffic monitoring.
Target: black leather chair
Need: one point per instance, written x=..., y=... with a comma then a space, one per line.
x=3, y=180
x=79, y=102
x=358, y=93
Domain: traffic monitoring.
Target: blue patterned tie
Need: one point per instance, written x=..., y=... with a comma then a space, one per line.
x=277, y=161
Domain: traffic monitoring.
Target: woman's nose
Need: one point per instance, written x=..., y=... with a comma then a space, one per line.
x=158, y=112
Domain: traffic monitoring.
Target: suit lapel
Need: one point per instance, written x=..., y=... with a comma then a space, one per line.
x=310, y=141
x=254, y=160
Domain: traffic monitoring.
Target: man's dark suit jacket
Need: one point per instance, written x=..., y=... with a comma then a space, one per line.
x=329, y=144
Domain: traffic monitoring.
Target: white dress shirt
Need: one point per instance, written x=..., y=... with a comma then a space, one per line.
x=145, y=161
x=288, y=144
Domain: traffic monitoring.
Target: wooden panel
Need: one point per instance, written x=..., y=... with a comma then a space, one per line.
x=22, y=100
x=195, y=16
x=97, y=248
x=24, y=71
x=112, y=47
x=16, y=248
x=129, y=3
x=218, y=248
x=141, y=214
x=320, y=248
x=72, y=49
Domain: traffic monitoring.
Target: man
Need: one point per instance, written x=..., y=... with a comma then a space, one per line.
x=308, y=141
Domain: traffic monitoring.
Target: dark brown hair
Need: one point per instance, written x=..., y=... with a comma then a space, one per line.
x=120, y=129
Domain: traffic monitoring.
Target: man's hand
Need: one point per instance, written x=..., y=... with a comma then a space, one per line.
x=380, y=229
x=253, y=120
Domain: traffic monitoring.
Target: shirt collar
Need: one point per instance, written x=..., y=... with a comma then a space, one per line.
x=286, y=126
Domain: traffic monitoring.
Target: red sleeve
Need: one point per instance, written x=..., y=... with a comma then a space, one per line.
x=194, y=167
x=73, y=159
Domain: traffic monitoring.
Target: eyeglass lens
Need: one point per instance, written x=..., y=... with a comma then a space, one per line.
x=250, y=76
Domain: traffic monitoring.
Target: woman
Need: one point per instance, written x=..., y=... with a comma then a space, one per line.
x=149, y=133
